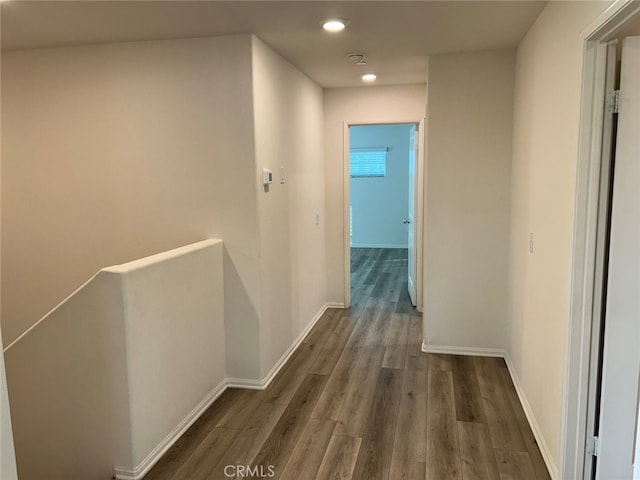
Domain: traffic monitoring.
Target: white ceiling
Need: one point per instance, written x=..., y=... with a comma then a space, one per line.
x=397, y=36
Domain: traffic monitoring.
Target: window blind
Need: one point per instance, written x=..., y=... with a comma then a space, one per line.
x=368, y=162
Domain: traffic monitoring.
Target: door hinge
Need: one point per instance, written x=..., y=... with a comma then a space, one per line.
x=613, y=101
x=593, y=446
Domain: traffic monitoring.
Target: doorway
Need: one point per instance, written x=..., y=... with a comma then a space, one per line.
x=614, y=384
x=601, y=408
x=383, y=193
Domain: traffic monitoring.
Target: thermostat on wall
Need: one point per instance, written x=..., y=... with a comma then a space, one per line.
x=267, y=176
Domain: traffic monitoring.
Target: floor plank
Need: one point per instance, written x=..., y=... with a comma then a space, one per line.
x=515, y=465
x=530, y=443
x=250, y=440
x=407, y=470
x=410, y=444
x=340, y=458
x=396, y=341
x=441, y=362
x=330, y=354
x=443, y=453
x=469, y=407
x=285, y=434
x=204, y=459
x=374, y=458
x=332, y=398
x=477, y=458
x=361, y=393
x=237, y=417
x=414, y=340
x=309, y=451
x=502, y=421
x=175, y=457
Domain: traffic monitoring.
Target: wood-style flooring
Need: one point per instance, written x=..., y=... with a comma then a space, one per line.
x=359, y=400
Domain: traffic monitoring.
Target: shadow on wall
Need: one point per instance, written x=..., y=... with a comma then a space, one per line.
x=242, y=325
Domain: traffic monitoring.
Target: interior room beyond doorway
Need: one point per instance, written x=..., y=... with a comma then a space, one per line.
x=382, y=170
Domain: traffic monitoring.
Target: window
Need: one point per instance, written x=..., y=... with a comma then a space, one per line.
x=368, y=162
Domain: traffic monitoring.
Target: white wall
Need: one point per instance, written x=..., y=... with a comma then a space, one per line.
x=388, y=104
x=545, y=146
x=468, y=180
x=7, y=454
x=288, y=133
x=68, y=388
x=379, y=204
x=175, y=341
x=115, y=152
x=114, y=371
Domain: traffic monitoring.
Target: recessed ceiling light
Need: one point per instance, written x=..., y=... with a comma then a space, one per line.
x=334, y=25
x=369, y=77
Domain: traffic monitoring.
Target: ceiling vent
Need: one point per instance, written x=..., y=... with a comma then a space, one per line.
x=357, y=58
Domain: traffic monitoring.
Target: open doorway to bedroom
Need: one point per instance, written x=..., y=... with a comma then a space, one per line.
x=383, y=238
x=602, y=426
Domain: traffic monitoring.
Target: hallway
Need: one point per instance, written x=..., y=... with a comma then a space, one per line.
x=359, y=400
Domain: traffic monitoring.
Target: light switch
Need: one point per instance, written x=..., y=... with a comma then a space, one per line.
x=281, y=174
x=267, y=176
x=530, y=242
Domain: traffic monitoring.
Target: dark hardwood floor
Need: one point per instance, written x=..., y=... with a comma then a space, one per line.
x=359, y=400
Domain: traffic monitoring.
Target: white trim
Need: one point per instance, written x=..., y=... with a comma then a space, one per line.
x=246, y=383
x=377, y=245
x=472, y=351
x=346, y=214
x=610, y=21
x=582, y=282
x=123, y=473
x=528, y=411
x=419, y=214
x=581, y=321
x=335, y=305
x=264, y=383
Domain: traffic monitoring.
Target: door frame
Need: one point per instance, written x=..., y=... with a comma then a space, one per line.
x=584, y=323
x=418, y=214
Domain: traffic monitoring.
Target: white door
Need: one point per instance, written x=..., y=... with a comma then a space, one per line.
x=621, y=354
x=602, y=249
x=409, y=221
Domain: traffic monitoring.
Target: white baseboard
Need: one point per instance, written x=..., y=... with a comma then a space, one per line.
x=247, y=383
x=264, y=383
x=376, y=245
x=533, y=423
x=335, y=305
x=473, y=351
x=136, y=473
